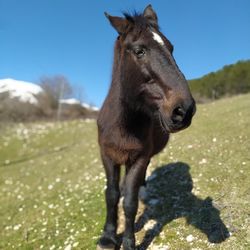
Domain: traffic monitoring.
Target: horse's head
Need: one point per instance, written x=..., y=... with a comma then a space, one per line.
x=149, y=77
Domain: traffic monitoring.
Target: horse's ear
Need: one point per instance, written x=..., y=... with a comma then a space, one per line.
x=120, y=24
x=150, y=14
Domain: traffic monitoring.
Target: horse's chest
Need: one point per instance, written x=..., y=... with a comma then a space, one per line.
x=121, y=148
x=159, y=139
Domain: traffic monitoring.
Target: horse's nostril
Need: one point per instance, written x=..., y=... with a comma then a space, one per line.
x=178, y=115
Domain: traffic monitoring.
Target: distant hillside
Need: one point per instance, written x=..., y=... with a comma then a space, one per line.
x=21, y=101
x=25, y=101
x=73, y=109
x=230, y=80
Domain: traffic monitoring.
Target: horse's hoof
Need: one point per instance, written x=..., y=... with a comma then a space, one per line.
x=106, y=243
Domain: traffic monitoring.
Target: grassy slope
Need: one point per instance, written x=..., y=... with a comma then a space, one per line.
x=52, y=183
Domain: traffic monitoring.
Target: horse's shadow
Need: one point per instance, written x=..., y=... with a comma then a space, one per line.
x=169, y=196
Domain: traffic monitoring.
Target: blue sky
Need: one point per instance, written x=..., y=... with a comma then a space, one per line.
x=73, y=38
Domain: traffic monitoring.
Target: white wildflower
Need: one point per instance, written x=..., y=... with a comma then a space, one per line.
x=203, y=161
x=68, y=247
x=7, y=162
x=75, y=244
x=17, y=227
x=58, y=179
x=51, y=206
x=190, y=238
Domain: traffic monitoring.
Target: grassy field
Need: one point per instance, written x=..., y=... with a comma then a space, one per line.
x=197, y=194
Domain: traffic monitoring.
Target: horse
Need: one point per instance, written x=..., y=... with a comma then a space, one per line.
x=148, y=99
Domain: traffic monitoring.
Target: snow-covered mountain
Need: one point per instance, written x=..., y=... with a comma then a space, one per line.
x=74, y=108
x=87, y=106
x=71, y=101
x=23, y=91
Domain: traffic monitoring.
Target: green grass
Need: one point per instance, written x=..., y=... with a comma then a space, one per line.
x=52, y=183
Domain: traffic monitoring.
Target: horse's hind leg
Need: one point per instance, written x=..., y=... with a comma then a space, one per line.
x=108, y=238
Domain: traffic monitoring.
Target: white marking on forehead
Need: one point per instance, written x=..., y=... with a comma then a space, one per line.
x=157, y=38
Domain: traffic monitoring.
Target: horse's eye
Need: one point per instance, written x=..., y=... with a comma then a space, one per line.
x=139, y=52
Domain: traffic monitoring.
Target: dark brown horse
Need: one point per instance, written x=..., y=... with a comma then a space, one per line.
x=148, y=99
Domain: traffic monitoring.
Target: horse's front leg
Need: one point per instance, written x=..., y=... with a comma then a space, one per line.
x=108, y=238
x=134, y=179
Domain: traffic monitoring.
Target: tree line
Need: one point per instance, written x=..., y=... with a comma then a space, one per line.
x=230, y=80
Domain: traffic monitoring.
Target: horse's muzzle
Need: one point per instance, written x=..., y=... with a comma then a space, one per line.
x=180, y=118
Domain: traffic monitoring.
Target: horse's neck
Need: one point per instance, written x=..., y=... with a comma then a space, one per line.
x=118, y=97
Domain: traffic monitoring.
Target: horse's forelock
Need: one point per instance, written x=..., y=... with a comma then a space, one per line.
x=137, y=20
